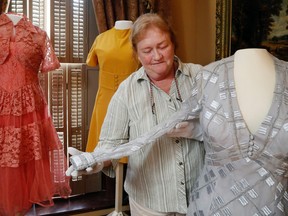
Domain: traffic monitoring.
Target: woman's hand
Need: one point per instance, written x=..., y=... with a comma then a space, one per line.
x=82, y=159
x=187, y=129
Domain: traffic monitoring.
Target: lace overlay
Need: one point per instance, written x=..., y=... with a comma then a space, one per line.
x=20, y=145
x=32, y=160
x=21, y=102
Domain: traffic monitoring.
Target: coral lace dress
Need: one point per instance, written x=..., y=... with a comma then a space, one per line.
x=32, y=160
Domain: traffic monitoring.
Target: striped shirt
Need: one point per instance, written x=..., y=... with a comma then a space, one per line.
x=161, y=174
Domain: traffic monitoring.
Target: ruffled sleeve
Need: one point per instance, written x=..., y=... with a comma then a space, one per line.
x=50, y=61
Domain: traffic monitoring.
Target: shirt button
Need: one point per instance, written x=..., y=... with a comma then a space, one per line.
x=182, y=183
x=177, y=141
x=180, y=163
x=250, y=154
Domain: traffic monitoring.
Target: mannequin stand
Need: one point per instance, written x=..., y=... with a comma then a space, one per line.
x=119, y=192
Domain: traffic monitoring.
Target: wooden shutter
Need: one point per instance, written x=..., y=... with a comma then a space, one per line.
x=68, y=25
x=37, y=11
x=18, y=6
x=67, y=100
x=77, y=117
x=76, y=105
x=57, y=101
x=59, y=25
x=78, y=31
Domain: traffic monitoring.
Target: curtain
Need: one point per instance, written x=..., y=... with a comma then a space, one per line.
x=3, y=5
x=109, y=11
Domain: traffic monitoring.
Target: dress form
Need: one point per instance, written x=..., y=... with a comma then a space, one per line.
x=104, y=53
x=113, y=69
x=14, y=17
x=254, y=75
x=120, y=25
x=123, y=24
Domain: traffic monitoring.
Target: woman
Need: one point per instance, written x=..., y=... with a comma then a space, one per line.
x=160, y=175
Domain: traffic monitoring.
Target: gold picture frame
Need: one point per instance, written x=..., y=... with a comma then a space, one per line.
x=223, y=28
x=251, y=25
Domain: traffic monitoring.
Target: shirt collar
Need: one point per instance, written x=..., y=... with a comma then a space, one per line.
x=6, y=30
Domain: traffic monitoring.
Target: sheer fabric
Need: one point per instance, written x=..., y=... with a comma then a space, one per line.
x=32, y=160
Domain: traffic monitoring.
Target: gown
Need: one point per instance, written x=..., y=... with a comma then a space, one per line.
x=112, y=52
x=245, y=173
x=32, y=159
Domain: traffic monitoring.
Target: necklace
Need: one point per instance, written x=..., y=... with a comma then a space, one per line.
x=179, y=98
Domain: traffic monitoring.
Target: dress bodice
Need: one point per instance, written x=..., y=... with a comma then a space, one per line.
x=245, y=173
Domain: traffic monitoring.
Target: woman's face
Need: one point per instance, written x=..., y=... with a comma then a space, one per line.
x=155, y=51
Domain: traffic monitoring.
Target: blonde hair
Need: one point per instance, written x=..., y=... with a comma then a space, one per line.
x=145, y=22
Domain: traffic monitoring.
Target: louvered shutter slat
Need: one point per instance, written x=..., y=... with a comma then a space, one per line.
x=78, y=31
x=57, y=101
x=37, y=15
x=59, y=26
x=76, y=105
x=17, y=6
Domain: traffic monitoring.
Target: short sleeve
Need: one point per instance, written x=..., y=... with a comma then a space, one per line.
x=92, y=59
x=50, y=61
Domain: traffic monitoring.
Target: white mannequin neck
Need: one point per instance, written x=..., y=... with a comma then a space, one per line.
x=15, y=18
x=123, y=24
x=254, y=76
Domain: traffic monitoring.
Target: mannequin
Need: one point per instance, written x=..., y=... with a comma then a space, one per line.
x=109, y=65
x=112, y=52
x=123, y=24
x=254, y=75
x=14, y=17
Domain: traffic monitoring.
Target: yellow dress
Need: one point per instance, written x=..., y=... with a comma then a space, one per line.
x=112, y=52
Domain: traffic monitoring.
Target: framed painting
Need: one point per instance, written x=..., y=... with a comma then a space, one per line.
x=252, y=24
